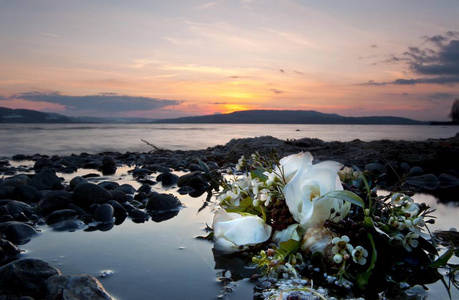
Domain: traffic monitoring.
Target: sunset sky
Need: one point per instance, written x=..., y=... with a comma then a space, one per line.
x=163, y=59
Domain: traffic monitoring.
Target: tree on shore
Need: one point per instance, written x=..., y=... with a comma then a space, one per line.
x=454, y=114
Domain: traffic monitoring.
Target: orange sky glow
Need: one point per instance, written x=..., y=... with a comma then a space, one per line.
x=185, y=58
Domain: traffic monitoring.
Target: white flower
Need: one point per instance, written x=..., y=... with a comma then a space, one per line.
x=410, y=241
x=303, y=194
x=234, y=232
x=341, y=245
x=289, y=233
x=359, y=255
x=289, y=165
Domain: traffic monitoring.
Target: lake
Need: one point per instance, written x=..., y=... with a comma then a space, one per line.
x=164, y=260
x=65, y=139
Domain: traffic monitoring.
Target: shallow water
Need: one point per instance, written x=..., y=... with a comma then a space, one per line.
x=164, y=260
x=65, y=139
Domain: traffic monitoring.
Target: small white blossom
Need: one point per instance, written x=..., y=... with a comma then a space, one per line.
x=341, y=245
x=410, y=241
x=359, y=255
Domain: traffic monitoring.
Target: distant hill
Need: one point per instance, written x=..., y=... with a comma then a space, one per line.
x=289, y=117
x=8, y=115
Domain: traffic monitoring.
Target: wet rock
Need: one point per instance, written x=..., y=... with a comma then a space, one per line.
x=117, y=207
x=46, y=180
x=13, y=182
x=167, y=178
x=75, y=287
x=7, y=249
x=145, y=188
x=104, y=213
x=17, y=232
x=6, y=192
x=162, y=202
x=108, y=165
x=16, y=208
x=26, y=277
x=86, y=193
x=109, y=185
x=119, y=196
x=127, y=189
x=54, y=200
x=26, y=193
x=138, y=216
x=69, y=225
x=163, y=216
x=76, y=180
x=61, y=215
x=141, y=172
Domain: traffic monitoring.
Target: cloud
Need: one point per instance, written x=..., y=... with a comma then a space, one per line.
x=439, y=65
x=276, y=91
x=441, y=96
x=101, y=103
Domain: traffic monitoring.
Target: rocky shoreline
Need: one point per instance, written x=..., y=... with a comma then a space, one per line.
x=31, y=193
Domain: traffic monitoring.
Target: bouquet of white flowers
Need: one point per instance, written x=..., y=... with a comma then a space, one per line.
x=326, y=223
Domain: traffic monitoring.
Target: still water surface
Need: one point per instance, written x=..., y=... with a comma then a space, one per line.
x=65, y=139
x=164, y=260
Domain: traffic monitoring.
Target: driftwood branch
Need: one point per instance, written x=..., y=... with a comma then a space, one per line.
x=151, y=145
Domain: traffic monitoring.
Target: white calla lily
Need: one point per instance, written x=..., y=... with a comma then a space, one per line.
x=289, y=165
x=304, y=195
x=234, y=232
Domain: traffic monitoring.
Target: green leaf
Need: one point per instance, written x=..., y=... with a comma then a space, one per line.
x=374, y=255
x=258, y=173
x=285, y=248
x=245, y=205
x=346, y=196
x=443, y=259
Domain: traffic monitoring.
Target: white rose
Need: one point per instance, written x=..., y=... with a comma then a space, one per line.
x=234, y=232
x=303, y=195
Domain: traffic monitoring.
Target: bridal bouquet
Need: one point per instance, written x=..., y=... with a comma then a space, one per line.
x=326, y=223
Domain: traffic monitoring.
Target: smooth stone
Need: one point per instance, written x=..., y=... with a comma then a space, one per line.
x=145, y=188
x=26, y=277
x=75, y=181
x=118, y=208
x=108, y=165
x=126, y=188
x=54, y=200
x=163, y=216
x=6, y=192
x=118, y=195
x=15, y=208
x=27, y=193
x=68, y=225
x=109, y=185
x=7, y=249
x=376, y=169
x=61, y=215
x=86, y=193
x=104, y=213
x=184, y=179
x=141, y=172
x=17, y=232
x=138, y=216
x=46, y=180
x=167, y=179
x=162, y=202
x=13, y=182
x=75, y=287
